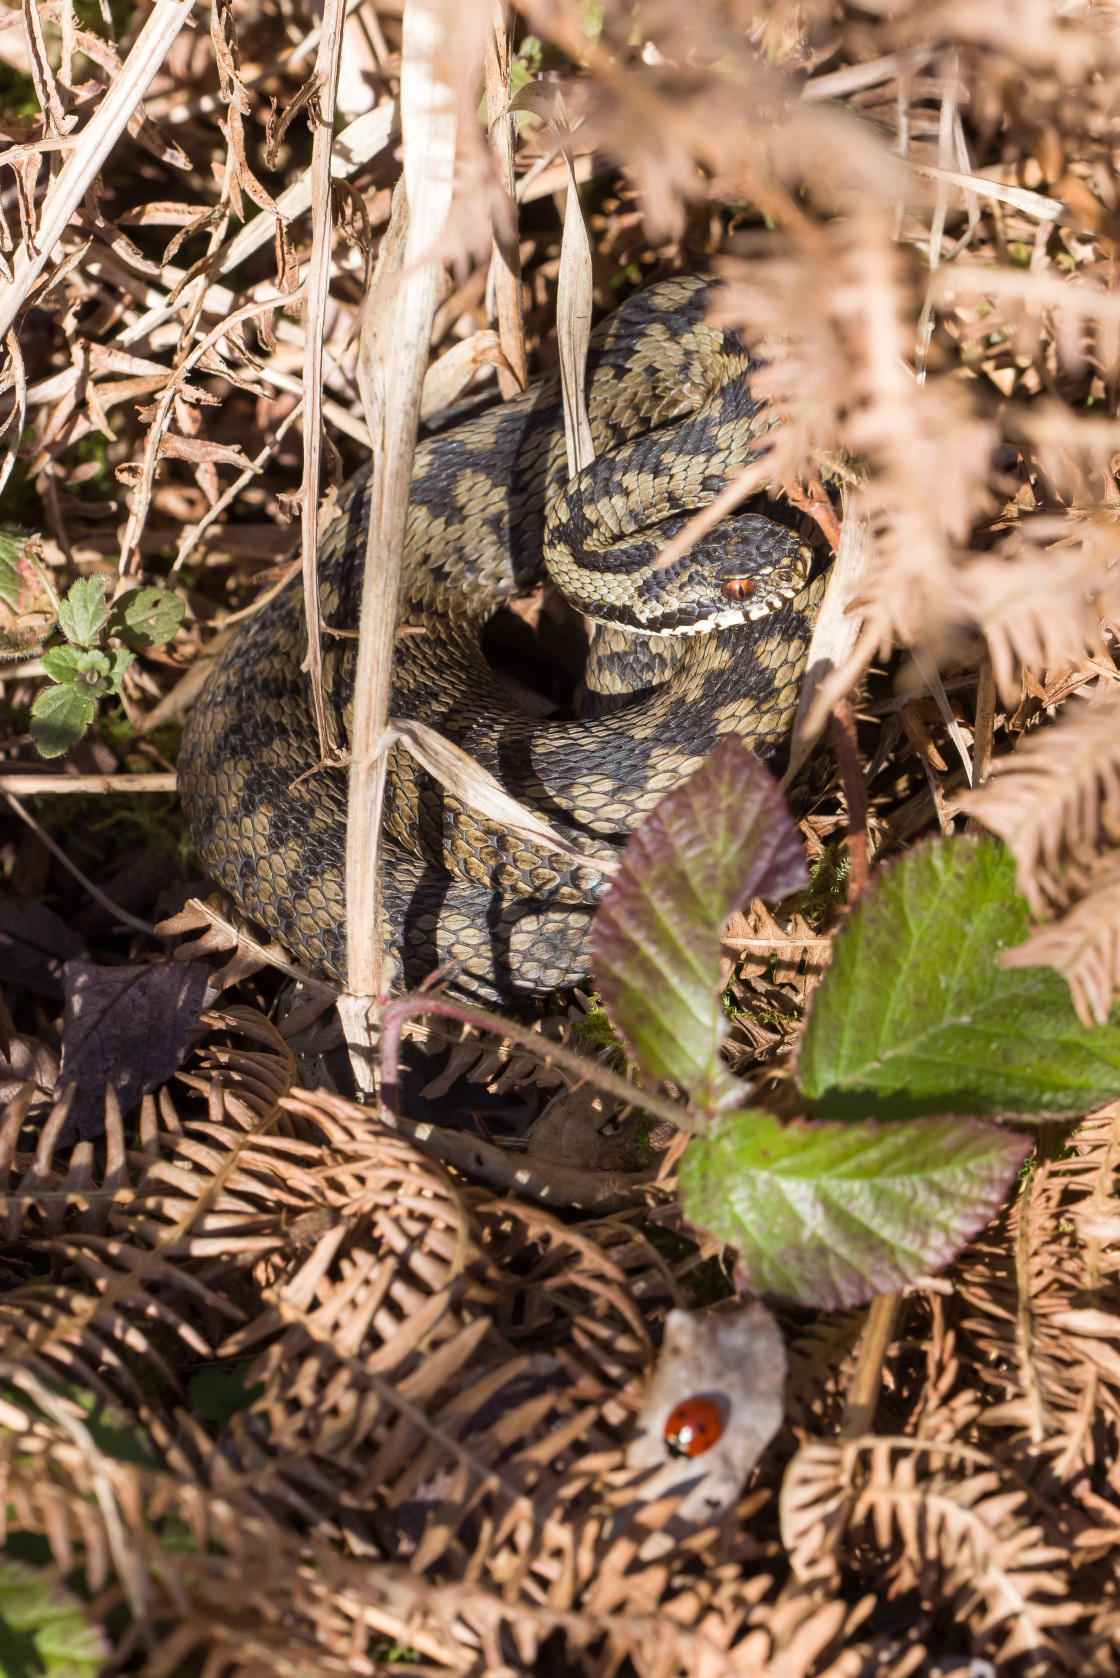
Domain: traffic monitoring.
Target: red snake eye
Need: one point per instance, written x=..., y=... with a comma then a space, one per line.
x=738, y=588
x=693, y=1427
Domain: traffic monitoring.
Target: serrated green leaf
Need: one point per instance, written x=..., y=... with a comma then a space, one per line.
x=59, y=719
x=43, y=1628
x=146, y=617
x=717, y=840
x=832, y=1214
x=122, y=660
x=61, y=663
x=916, y=1016
x=83, y=615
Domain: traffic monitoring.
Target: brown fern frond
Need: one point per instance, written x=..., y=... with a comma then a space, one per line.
x=1057, y=797
x=1084, y=947
x=1040, y=604
x=966, y=1538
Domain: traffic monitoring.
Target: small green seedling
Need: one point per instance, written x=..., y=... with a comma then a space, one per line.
x=95, y=655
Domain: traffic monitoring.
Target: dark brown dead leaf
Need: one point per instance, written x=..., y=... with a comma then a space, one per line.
x=34, y=945
x=128, y=1027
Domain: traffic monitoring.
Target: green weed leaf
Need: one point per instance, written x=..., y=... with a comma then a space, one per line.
x=83, y=615
x=146, y=617
x=59, y=718
x=61, y=663
x=43, y=1629
x=832, y=1214
x=115, y=675
x=916, y=1016
x=719, y=839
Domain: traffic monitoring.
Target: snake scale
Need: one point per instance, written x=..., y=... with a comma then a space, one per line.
x=678, y=657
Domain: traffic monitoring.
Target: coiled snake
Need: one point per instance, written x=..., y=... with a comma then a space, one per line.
x=712, y=645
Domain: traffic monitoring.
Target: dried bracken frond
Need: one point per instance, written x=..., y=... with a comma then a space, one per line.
x=1040, y=605
x=1057, y=798
x=843, y=385
x=970, y=1528
x=1084, y=946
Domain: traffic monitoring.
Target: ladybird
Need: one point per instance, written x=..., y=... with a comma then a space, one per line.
x=738, y=588
x=693, y=1427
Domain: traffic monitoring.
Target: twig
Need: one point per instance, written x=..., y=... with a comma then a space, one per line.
x=840, y=647
x=321, y=112
x=87, y=884
x=551, y=1183
x=837, y=84
x=855, y=795
x=93, y=146
x=863, y=1394
x=983, y=734
x=38, y=783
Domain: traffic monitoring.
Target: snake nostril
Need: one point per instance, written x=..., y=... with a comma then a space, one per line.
x=738, y=588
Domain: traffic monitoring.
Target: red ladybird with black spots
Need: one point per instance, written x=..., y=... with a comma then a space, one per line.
x=693, y=1426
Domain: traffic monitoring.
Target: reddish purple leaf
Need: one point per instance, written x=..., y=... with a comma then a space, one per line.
x=721, y=838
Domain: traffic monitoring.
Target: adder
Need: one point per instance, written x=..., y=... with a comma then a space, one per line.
x=678, y=657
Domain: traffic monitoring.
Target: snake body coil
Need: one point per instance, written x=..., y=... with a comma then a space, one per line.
x=713, y=645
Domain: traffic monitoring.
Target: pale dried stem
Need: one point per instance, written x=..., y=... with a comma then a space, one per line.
x=15, y=421
x=33, y=784
x=321, y=113
x=93, y=146
x=395, y=351
x=505, y=258
x=573, y=325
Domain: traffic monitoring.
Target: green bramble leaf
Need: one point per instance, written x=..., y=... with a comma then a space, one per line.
x=146, y=617
x=59, y=719
x=915, y=1015
x=832, y=1214
x=715, y=841
x=43, y=1628
x=83, y=615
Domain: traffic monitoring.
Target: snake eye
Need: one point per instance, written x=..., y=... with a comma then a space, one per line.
x=738, y=588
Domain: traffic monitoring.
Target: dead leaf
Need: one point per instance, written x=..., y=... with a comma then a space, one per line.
x=34, y=944
x=125, y=1026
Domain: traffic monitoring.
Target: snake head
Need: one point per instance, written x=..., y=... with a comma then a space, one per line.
x=744, y=569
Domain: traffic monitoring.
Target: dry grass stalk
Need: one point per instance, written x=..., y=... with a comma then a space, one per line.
x=505, y=260
x=317, y=283
x=397, y=348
